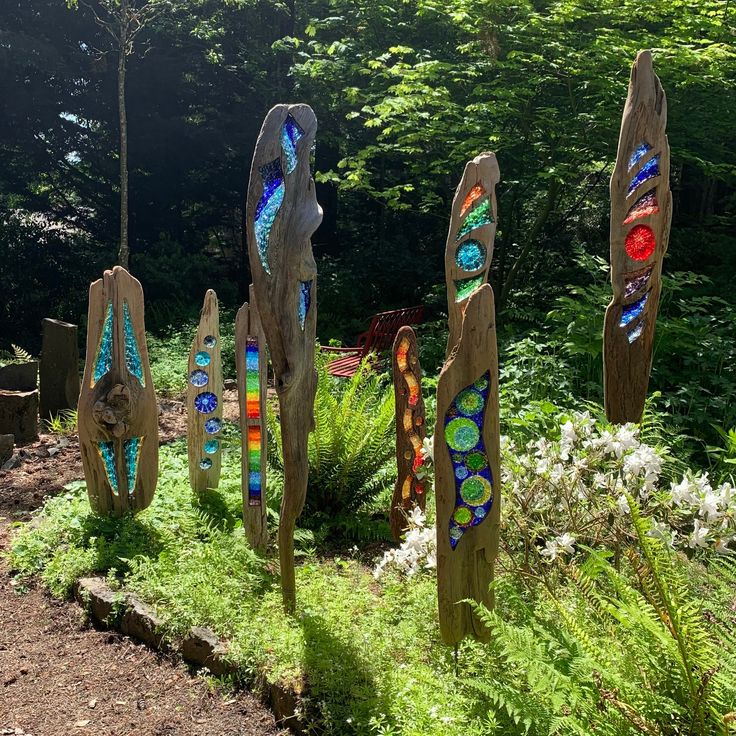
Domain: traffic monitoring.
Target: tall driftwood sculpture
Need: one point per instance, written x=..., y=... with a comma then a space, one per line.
x=467, y=471
x=410, y=430
x=281, y=214
x=252, y=365
x=641, y=211
x=204, y=399
x=470, y=240
x=118, y=415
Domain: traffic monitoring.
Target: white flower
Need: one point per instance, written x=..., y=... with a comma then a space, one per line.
x=709, y=506
x=551, y=549
x=565, y=543
x=698, y=536
x=682, y=492
x=623, y=505
x=428, y=448
x=722, y=547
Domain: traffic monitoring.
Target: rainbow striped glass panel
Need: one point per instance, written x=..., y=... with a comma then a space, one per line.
x=479, y=217
x=107, y=453
x=632, y=311
x=103, y=357
x=465, y=287
x=636, y=281
x=643, y=207
x=305, y=301
x=463, y=431
x=132, y=449
x=635, y=333
x=291, y=134
x=268, y=206
x=133, y=361
x=253, y=412
x=254, y=465
x=649, y=171
x=638, y=154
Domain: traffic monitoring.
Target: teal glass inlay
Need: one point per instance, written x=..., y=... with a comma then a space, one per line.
x=133, y=361
x=470, y=255
x=107, y=453
x=202, y=359
x=268, y=207
x=211, y=446
x=291, y=134
x=478, y=217
x=132, y=449
x=103, y=359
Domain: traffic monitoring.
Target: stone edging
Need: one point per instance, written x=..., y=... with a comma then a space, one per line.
x=124, y=612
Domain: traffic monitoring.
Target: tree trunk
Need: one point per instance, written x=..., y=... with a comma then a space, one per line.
x=124, y=252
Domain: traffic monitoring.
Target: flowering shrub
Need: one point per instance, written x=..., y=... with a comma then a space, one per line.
x=418, y=551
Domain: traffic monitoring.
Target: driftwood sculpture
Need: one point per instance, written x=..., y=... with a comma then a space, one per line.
x=641, y=211
x=410, y=430
x=204, y=399
x=118, y=415
x=252, y=365
x=281, y=215
x=470, y=240
x=467, y=471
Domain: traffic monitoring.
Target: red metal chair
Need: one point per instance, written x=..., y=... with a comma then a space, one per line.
x=379, y=337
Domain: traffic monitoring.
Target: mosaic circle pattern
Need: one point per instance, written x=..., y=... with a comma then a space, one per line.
x=476, y=461
x=469, y=402
x=211, y=446
x=205, y=403
x=476, y=490
x=640, y=242
x=199, y=378
x=210, y=341
x=470, y=255
x=461, y=472
x=202, y=359
x=462, y=434
x=213, y=426
x=462, y=516
x=205, y=463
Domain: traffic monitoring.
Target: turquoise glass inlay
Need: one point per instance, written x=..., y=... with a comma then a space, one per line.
x=107, y=453
x=647, y=172
x=291, y=134
x=478, y=217
x=305, y=301
x=638, y=154
x=133, y=361
x=103, y=359
x=632, y=311
x=202, y=359
x=268, y=206
x=465, y=287
x=132, y=449
x=470, y=255
x=211, y=446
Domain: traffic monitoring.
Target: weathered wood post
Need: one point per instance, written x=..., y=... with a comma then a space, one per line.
x=281, y=214
x=19, y=400
x=252, y=365
x=470, y=240
x=641, y=211
x=467, y=436
x=410, y=430
x=59, y=371
x=117, y=412
x=204, y=399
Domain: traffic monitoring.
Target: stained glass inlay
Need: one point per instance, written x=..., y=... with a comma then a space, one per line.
x=199, y=378
x=202, y=359
x=643, y=207
x=133, y=361
x=479, y=217
x=211, y=446
x=291, y=134
x=638, y=154
x=636, y=281
x=210, y=341
x=465, y=287
x=254, y=465
x=213, y=426
x=305, y=300
x=464, y=438
x=268, y=207
x=472, y=197
x=107, y=453
x=414, y=394
x=205, y=403
x=103, y=358
x=470, y=255
x=640, y=242
x=647, y=172
x=253, y=412
x=635, y=333
x=132, y=449
x=632, y=311
x=205, y=463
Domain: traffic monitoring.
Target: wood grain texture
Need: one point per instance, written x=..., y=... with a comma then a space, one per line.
x=411, y=430
x=201, y=478
x=59, y=369
x=248, y=328
x=627, y=365
x=277, y=285
x=118, y=407
x=481, y=174
x=467, y=571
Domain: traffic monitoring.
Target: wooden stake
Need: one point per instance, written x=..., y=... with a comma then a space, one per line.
x=281, y=215
x=204, y=399
x=118, y=415
x=252, y=365
x=641, y=211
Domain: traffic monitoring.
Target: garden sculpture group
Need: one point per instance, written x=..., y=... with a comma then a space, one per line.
x=117, y=408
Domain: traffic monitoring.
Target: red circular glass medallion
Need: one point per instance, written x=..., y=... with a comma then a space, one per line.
x=640, y=242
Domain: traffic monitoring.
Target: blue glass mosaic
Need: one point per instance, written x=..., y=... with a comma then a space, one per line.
x=202, y=358
x=291, y=134
x=305, y=301
x=647, y=172
x=632, y=311
x=473, y=477
x=470, y=255
x=103, y=359
x=634, y=334
x=205, y=463
x=107, y=453
x=132, y=449
x=211, y=446
x=199, y=378
x=213, y=426
x=205, y=403
x=210, y=341
x=638, y=154
x=133, y=361
x=268, y=206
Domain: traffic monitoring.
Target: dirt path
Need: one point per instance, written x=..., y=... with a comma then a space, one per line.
x=59, y=676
